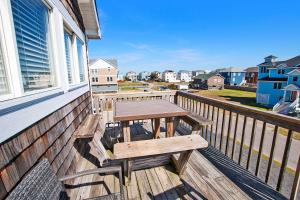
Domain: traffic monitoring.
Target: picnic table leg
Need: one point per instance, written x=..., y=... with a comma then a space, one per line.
x=127, y=171
x=169, y=126
x=127, y=163
x=157, y=128
x=175, y=124
x=126, y=131
x=182, y=161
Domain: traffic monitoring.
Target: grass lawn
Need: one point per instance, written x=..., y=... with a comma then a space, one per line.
x=234, y=96
x=128, y=83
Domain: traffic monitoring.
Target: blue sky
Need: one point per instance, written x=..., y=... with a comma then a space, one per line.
x=196, y=34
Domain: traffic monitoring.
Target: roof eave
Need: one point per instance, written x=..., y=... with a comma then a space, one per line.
x=89, y=14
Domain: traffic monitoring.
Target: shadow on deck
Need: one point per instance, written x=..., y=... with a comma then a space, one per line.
x=209, y=175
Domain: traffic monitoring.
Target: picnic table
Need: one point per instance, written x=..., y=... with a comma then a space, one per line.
x=126, y=111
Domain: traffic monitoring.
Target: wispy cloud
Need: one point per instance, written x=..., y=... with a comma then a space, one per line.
x=139, y=46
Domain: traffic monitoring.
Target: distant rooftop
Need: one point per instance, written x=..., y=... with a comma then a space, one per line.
x=251, y=69
x=232, y=69
x=293, y=62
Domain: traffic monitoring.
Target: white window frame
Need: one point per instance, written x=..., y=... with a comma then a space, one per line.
x=71, y=44
x=12, y=59
x=6, y=63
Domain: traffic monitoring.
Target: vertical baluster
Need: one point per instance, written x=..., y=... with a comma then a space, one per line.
x=200, y=110
x=206, y=127
x=251, y=143
x=284, y=159
x=296, y=182
x=234, y=136
x=218, y=111
x=271, y=154
x=242, y=140
x=222, y=129
x=228, y=132
x=260, y=148
x=211, y=126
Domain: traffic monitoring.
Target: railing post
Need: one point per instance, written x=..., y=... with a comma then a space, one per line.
x=296, y=182
x=176, y=98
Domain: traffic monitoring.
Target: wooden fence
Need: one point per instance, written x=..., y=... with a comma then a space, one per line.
x=242, y=88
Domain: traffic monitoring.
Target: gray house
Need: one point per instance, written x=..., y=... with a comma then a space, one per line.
x=208, y=81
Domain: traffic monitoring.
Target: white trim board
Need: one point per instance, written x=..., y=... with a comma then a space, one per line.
x=15, y=122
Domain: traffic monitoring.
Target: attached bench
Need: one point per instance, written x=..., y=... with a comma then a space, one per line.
x=196, y=121
x=88, y=127
x=145, y=148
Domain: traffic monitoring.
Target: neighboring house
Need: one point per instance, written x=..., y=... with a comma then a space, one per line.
x=120, y=77
x=44, y=85
x=156, y=75
x=182, y=87
x=103, y=75
x=198, y=72
x=278, y=83
x=233, y=76
x=144, y=76
x=169, y=76
x=184, y=76
x=251, y=76
x=208, y=81
x=131, y=76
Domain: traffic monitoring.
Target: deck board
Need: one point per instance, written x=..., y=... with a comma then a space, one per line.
x=202, y=180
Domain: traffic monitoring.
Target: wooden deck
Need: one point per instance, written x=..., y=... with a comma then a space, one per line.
x=150, y=180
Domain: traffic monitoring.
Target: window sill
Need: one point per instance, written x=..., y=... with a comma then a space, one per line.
x=14, y=104
x=28, y=111
x=77, y=86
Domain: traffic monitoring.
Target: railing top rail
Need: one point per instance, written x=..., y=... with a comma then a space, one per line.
x=266, y=116
x=135, y=94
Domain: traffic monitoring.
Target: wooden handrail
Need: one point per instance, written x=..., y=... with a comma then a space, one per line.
x=269, y=117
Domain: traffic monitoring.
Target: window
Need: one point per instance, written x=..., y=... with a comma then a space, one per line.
x=295, y=78
x=277, y=85
x=96, y=79
x=263, y=70
x=111, y=79
x=68, y=47
x=4, y=87
x=280, y=71
x=80, y=60
x=93, y=79
x=107, y=79
x=32, y=35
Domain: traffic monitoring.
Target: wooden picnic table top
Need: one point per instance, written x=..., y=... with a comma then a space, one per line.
x=146, y=109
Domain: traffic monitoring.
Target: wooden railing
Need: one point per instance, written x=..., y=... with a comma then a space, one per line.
x=105, y=102
x=265, y=143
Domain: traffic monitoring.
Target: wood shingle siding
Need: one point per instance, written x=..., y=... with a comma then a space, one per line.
x=51, y=137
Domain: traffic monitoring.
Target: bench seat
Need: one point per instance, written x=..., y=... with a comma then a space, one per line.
x=161, y=146
x=88, y=127
x=149, y=148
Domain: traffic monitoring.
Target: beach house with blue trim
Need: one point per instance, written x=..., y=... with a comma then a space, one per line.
x=278, y=83
x=233, y=76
